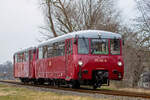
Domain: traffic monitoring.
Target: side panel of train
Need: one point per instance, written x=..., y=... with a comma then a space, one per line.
x=61, y=60
x=21, y=65
x=55, y=60
x=24, y=65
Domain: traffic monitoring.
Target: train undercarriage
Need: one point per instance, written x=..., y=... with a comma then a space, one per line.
x=99, y=78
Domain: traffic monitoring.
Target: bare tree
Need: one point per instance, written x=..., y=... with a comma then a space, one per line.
x=63, y=16
x=143, y=21
x=6, y=70
x=135, y=54
x=137, y=43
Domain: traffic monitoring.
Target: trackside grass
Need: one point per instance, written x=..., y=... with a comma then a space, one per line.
x=17, y=93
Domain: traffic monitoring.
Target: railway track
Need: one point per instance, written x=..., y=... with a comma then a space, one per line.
x=86, y=90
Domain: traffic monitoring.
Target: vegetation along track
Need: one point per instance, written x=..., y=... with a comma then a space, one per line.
x=86, y=90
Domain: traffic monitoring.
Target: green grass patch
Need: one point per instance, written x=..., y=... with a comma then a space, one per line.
x=107, y=88
x=18, y=93
x=2, y=85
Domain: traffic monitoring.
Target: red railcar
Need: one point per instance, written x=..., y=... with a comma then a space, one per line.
x=91, y=57
x=24, y=64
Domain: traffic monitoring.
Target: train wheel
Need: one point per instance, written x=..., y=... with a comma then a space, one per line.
x=75, y=84
x=50, y=83
x=40, y=81
x=22, y=80
x=53, y=83
x=57, y=82
x=35, y=82
x=94, y=87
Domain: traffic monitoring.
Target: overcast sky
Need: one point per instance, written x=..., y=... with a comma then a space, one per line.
x=20, y=21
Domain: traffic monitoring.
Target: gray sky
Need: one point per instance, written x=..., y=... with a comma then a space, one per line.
x=19, y=26
x=20, y=21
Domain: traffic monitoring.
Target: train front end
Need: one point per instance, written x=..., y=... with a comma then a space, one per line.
x=99, y=60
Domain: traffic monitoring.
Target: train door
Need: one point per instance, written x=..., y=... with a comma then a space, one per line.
x=32, y=58
x=68, y=58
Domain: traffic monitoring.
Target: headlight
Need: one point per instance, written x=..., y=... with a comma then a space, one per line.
x=119, y=63
x=80, y=63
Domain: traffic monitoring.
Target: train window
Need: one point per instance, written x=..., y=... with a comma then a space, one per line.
x=31, y=55
x=50, y=51
x=61, y=49
x=40, y=53
x=23, y=57
x=54, y=49
x=45, y=51
x=26, y=56
x=36, y=55
x=15, y=58
x=115, y=46
x=58, y=52
x=83, y=46
x=20, y=57
x=99, y=46
x=69, y=47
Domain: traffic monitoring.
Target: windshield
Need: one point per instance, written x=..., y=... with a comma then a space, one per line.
x=99, y=46
x=115, y=46
x=83, y=46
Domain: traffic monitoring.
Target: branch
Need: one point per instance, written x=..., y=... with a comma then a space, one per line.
x=50, y=19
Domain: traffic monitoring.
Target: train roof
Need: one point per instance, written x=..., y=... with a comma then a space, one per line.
x=23, y=50
x=85, y=34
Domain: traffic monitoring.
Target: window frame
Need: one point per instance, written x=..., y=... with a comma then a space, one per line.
x=88, y=46
x=16, y=60
x=56, y=49
x=107, y=44
x=31, y=55
x=49, y=51
x=61, y=47
x=26, y=56
x=40, y=53
x=119, y=46
x=45, y=51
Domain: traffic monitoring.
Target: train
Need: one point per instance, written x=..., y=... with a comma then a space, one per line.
x=87, y=57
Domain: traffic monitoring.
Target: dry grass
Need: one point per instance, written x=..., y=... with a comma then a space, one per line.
x=140, y=90
x=16, y=80
x=135, y=90
x=14, y=93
